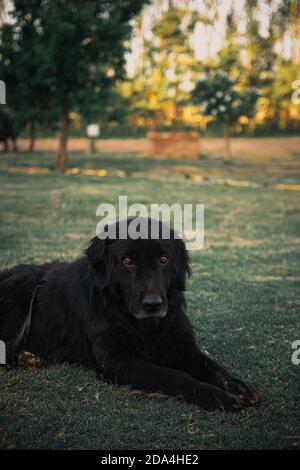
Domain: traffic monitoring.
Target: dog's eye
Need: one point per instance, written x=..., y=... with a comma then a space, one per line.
x=163, y=259
x=127, y=261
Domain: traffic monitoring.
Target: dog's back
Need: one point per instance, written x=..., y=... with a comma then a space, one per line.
x=17, y=288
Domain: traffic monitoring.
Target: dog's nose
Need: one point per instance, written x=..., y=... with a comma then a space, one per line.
x=152, y=302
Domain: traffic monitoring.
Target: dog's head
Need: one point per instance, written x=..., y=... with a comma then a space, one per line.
x=141, y=271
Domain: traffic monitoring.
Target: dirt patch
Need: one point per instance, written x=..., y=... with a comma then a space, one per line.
x=248, y=149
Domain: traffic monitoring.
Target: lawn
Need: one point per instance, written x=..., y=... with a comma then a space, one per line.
x=243, y=299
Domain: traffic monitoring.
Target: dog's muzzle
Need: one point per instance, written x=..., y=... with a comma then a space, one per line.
x=151, y=306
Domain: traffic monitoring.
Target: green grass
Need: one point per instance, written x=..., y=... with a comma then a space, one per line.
x=243, y=299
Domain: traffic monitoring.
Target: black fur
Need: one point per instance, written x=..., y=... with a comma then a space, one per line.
x=128, y=322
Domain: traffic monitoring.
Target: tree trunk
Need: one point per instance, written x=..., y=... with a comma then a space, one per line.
x=93, y=145
x=228, y=135
x=31, y=130
x=251, y=126
x=61, y=158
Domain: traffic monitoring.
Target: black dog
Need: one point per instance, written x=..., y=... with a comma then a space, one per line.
x=121, y=310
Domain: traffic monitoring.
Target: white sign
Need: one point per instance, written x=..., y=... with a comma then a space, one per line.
x=93, y=130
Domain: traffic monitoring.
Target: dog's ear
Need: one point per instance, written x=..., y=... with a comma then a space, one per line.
x=96, y=252
x=181, y=261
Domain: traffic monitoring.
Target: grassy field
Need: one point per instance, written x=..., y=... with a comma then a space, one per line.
x=243, y=299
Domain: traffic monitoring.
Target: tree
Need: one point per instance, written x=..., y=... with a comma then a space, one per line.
x=2, y=11
x=228, y=56
x=281, y=110
x=287, y=19
x=21, y=68
x=250, y=59
x=161, y=88
x=269, y=70
x=223, y=99
x=80, y=51
x=260, y=54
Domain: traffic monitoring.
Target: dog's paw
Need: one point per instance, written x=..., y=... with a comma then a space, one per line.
x=238, y=388
x=223, y=401
x=212, y=398
x=27, y=359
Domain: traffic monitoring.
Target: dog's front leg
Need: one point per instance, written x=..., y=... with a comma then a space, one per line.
x=202, y=367
x=148, y=377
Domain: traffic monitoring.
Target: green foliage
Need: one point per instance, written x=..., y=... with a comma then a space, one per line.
x=220, y=97
x=160, y=90
x=282, y=87
x=229, y=55
x=287, y=11
x=27, y=90
x=59, y=54
x=70, y=55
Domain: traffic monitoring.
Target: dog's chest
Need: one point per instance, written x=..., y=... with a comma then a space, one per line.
x=149, y=349
x=149, y=354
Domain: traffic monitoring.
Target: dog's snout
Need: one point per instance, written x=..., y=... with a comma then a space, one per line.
x=152, y=302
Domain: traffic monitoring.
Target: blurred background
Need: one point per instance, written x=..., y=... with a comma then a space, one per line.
x=139, y=68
